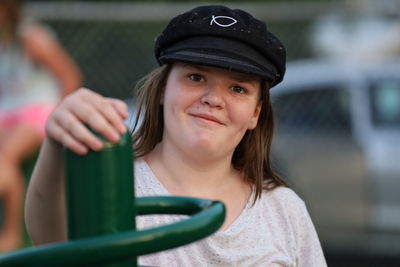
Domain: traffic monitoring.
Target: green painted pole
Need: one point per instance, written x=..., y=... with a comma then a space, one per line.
x=99, y=192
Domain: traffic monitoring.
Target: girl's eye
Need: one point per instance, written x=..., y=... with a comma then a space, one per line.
x=196, y=78
x=238, y=89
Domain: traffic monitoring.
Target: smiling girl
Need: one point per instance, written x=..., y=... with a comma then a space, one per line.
x=206, y=132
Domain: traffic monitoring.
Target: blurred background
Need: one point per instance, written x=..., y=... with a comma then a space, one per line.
x=338, y=109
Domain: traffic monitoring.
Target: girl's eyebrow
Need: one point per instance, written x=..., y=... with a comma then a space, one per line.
x=243, y=78
x=232, y=75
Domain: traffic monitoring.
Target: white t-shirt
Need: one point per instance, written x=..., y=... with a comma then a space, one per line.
x=276, y=231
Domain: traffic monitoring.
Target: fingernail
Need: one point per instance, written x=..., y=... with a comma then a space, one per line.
x=82, y=151
x=115, y=137
x=123, y=129
x=98, y=145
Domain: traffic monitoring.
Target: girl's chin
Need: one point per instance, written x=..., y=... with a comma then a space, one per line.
x=206, y=149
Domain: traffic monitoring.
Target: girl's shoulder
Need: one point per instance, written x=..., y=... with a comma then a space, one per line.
x=287, y=209
x=284, y=200
x=282, y=194
x=290, y=214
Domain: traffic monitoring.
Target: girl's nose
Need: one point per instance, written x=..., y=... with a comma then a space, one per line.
x=213, y=96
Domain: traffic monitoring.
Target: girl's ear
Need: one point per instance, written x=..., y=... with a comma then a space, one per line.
x=254, y=120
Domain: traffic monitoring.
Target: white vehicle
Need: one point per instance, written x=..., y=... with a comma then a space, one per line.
x=338, y=145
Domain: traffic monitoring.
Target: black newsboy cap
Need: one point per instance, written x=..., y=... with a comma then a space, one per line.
x=223, y=37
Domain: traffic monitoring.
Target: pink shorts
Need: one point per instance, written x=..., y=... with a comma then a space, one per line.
x=35, y=115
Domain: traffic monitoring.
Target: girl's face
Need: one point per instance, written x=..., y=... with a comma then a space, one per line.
x=208, y=110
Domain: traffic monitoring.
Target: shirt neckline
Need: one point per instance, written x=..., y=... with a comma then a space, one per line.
x=231, y=228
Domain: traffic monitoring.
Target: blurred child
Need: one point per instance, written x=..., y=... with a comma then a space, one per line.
x=35, y=72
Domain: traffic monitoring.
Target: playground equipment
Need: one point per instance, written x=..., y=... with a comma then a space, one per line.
x=101, y=215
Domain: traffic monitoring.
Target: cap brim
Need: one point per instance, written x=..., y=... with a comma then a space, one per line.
x=220, y=52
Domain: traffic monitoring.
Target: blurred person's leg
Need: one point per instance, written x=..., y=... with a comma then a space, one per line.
x=16, y=145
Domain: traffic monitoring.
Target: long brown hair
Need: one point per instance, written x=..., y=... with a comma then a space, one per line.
x=251, y=156
x=149, y=110
x=10, y=10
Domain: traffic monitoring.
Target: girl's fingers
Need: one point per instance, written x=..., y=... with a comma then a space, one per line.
x=68, y=123
x=89, y=115
x=70, y=127
x=93, y=110
x=81, y=133
x=61, y=136
x=112, y=113
x=69, y=142
x=120, y=106
x=122, y=109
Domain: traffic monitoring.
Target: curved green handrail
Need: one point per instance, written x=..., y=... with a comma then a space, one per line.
x=101, y=215
x=207, y=217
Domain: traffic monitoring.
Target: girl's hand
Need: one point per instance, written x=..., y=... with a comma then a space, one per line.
x=67, y=124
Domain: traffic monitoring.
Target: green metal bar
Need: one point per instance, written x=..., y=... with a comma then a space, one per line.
x=126, y=245
x=170, y=205
x=99, y=191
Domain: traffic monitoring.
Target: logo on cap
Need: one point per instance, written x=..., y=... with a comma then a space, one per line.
x=214, y=19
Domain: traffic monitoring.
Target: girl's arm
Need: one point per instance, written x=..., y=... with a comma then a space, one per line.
x=44, y=208
x=45, y=211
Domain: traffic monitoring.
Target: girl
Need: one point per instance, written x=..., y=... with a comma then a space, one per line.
x=206, y=132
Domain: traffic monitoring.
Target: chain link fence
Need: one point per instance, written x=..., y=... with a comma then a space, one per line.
x=113, y=42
